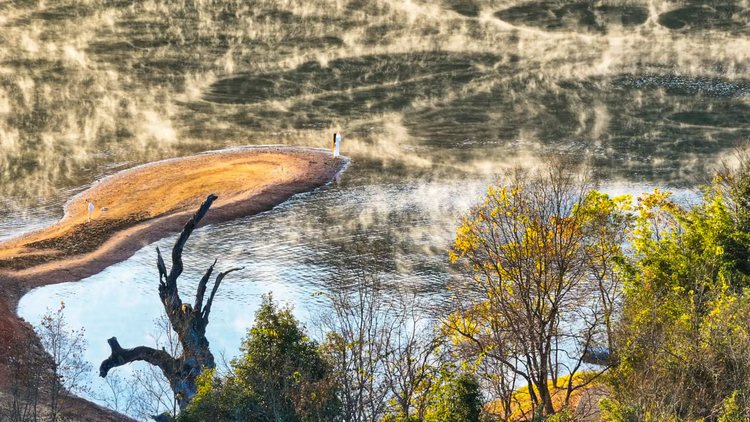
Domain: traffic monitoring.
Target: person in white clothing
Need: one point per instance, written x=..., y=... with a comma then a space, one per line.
x=91, y=209
x=336, y=144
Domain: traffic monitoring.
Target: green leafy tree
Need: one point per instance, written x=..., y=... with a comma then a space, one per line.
x=685, y=335
x=735, y=186
x=459, y=399
x=280, y=376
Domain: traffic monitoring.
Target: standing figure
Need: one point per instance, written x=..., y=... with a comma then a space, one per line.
x=336, y=144
x=91, y=209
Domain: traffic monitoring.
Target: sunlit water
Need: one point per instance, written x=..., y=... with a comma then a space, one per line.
x=433, y=99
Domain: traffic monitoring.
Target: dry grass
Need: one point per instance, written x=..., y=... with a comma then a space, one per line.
x=522, y=409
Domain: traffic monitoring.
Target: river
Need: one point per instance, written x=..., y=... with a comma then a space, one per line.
x=433, y=98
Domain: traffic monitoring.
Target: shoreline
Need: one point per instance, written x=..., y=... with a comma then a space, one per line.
x=144, y=204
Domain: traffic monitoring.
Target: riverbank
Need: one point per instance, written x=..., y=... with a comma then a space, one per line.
x=138, y=206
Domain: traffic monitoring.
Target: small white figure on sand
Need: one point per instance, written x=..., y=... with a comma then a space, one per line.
x=336, y=144
x=91, y=209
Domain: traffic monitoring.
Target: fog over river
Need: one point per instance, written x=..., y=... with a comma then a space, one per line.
x=433, y=99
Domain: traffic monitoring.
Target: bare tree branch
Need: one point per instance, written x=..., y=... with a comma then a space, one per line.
x=120, y=356
x=186, y=232
x=202, y=287
x=161, y=266
x=210, y=301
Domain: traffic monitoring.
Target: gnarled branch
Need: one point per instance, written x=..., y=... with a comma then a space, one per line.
x=160, y=265
x=202, y=288
x=186, y=232
x=120, y=356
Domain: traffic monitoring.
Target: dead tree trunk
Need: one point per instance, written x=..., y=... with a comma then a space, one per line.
x=188, y=321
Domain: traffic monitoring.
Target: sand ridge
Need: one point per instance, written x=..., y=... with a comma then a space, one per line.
x=165, y=188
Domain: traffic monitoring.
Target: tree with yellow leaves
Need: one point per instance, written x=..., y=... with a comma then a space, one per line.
x=684, y=329
x=541, y=286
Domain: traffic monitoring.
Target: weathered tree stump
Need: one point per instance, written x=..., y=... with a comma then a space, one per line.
x=188, y=321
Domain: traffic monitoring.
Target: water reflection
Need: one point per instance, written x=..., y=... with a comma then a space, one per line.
x=702, y=15
x=552, y=15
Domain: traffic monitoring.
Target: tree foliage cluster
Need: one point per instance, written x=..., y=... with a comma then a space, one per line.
x=283, y=375
x=655, y=292
x=684, y=335
x=280, y=375
x=540, y=255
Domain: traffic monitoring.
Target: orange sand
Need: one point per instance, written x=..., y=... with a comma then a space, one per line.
x=171, y=186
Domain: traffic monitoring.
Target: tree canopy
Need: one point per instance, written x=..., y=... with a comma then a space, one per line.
x=540, y=253
x=684, y=334
x=280, y=376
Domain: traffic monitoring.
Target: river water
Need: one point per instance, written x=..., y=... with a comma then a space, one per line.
x=434, y=98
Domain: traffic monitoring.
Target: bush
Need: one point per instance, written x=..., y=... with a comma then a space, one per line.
x=614, y=411
x=731, y=410
x=563, y=416
x=458, y=400
x=280, y=375
x=684, y=338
